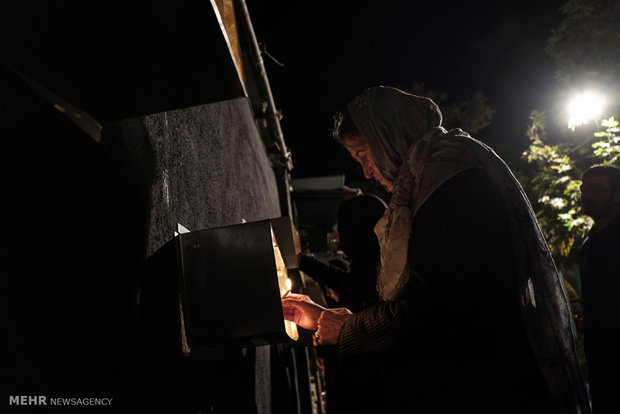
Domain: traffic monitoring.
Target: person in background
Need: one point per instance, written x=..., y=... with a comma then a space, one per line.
x=352, y=384
x=357, y=285
x=600, y=286
x=472, y=316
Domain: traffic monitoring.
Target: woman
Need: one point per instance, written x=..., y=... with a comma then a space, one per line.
x=473, y=317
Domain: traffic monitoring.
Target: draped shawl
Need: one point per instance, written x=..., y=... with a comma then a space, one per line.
x=417, y=155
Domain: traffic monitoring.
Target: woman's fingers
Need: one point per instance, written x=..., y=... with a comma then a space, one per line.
x=290, y=314
x=297, y=296
x=329, y=324
x=304, y=313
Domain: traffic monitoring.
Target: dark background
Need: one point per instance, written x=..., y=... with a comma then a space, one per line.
x=332, y=51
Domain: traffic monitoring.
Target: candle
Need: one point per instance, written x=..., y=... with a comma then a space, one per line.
x=289, y=287
x=284, y=284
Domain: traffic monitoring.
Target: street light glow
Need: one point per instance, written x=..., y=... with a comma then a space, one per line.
x=583, y=108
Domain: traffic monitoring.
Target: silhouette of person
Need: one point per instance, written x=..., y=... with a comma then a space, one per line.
x=600, y=286
x=357, y=285
x=352, y=385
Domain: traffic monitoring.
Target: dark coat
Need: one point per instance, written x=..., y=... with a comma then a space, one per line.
x=600, y=287
x=456, y=341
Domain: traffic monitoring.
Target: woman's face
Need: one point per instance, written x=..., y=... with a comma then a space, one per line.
x=359, y=149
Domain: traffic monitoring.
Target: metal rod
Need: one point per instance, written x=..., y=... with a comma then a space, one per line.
x=273, y=118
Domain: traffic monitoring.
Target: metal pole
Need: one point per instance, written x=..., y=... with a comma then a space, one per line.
x=283, y=163
x=273, y=117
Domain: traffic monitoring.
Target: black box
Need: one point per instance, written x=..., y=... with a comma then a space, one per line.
x=220, y=289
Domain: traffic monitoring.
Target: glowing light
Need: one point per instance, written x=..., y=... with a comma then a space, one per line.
x=583, y=108
x=284, y=284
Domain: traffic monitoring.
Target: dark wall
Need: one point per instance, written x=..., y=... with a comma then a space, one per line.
x=80, y=219
x=208, y=167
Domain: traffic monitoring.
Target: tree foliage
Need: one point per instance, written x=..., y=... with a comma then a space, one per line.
x=608, y=148
x=554, y=181
x=586, y=44
x=586, y=49
x=553, y=186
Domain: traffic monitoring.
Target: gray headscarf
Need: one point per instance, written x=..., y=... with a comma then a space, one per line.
x=417, y=155
x=395, y=120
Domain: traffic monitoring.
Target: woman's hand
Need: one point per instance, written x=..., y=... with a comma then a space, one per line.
x=329, y=325
x=301, y=310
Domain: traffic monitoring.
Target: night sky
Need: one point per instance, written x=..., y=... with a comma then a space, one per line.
x=332, y=51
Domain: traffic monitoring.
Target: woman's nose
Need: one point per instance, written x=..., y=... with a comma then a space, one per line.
x=368, y=171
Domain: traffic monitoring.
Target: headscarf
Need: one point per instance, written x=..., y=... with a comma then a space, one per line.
x=395, y=121
x=417, y=156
